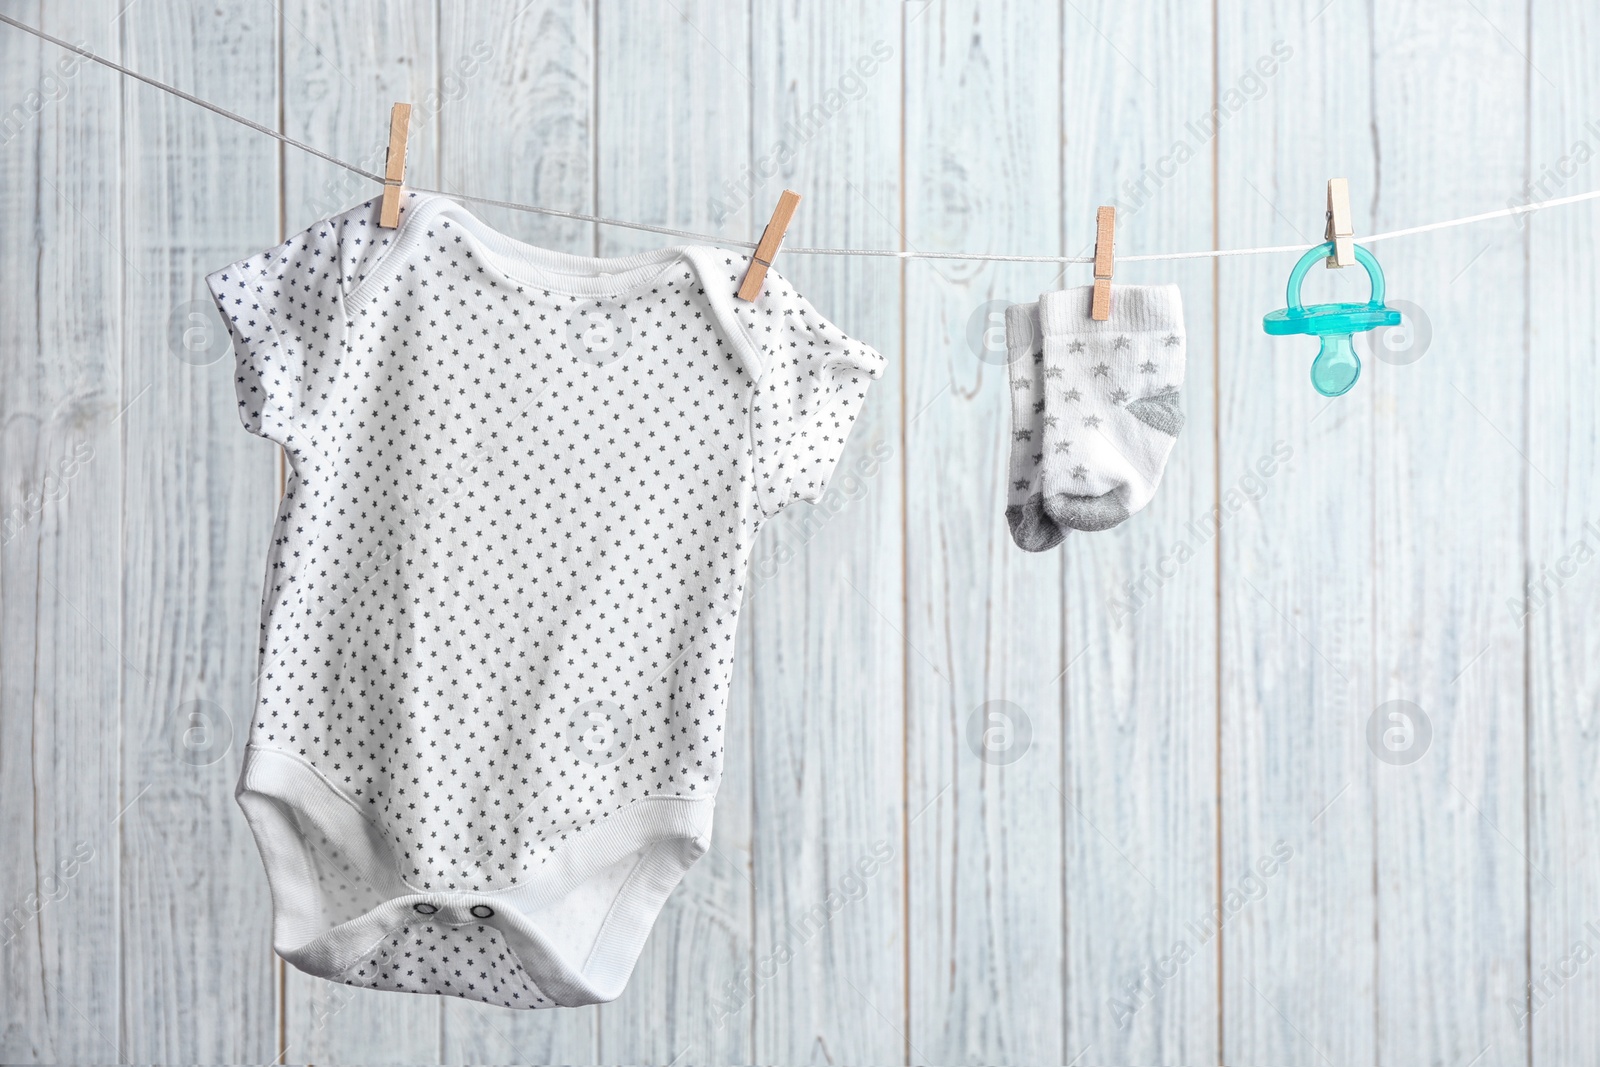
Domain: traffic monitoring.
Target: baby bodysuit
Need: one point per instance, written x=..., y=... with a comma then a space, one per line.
x=497, y=627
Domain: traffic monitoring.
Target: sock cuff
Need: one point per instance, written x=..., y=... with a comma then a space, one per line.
x=1023, y=336
x=1134, y=309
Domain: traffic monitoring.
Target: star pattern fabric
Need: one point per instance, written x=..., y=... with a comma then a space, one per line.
x=1119, y=380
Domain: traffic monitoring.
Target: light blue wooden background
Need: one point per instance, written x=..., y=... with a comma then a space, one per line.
x=1055, y=908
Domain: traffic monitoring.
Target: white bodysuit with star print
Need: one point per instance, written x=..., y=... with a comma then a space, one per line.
x=497, y=627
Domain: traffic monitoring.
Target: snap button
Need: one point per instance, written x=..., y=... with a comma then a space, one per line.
x=424, y=909
x=482, y=911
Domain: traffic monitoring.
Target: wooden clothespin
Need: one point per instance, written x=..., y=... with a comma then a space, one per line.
x=395, y=171
x=767, y=249
x=1340, y=230
x=1105, y=236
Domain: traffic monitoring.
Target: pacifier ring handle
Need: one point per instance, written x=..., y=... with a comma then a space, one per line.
x=1298, y=276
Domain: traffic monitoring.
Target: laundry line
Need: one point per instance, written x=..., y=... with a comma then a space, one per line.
x=788, y=250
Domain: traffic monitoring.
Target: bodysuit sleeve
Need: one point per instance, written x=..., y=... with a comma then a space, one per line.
x=812, y=384
x=285, y=313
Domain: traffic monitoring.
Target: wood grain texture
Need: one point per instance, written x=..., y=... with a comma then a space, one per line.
x=1198, y=683
x=1555, y=602
x=1450, y=440
x=1295, y=549
x=984, y=620
x=512, y=115
x=196, y=927
x=66, y=655
x=31, y=1029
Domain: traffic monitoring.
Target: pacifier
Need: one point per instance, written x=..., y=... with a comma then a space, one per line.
x=1337, y=366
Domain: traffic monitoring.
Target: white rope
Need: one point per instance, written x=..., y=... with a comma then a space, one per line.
x=788, y=250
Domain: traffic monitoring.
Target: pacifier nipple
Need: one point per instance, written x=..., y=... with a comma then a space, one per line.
x=1336, y=367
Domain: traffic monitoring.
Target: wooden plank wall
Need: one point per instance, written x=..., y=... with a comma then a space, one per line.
x=1204, y=852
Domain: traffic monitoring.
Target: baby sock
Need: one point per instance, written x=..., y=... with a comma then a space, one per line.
x=1032, y=528
x=1111, y=401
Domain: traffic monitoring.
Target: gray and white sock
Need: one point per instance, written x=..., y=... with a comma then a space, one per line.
x=1032, y=528
x=1112, y=401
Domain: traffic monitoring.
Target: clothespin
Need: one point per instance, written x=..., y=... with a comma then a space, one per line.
x=767, y=249
x=1105, y=235
x=395, y=170
x=1339, y=229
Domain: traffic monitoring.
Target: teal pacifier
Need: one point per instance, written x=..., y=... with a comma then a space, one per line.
x=1336, y=367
